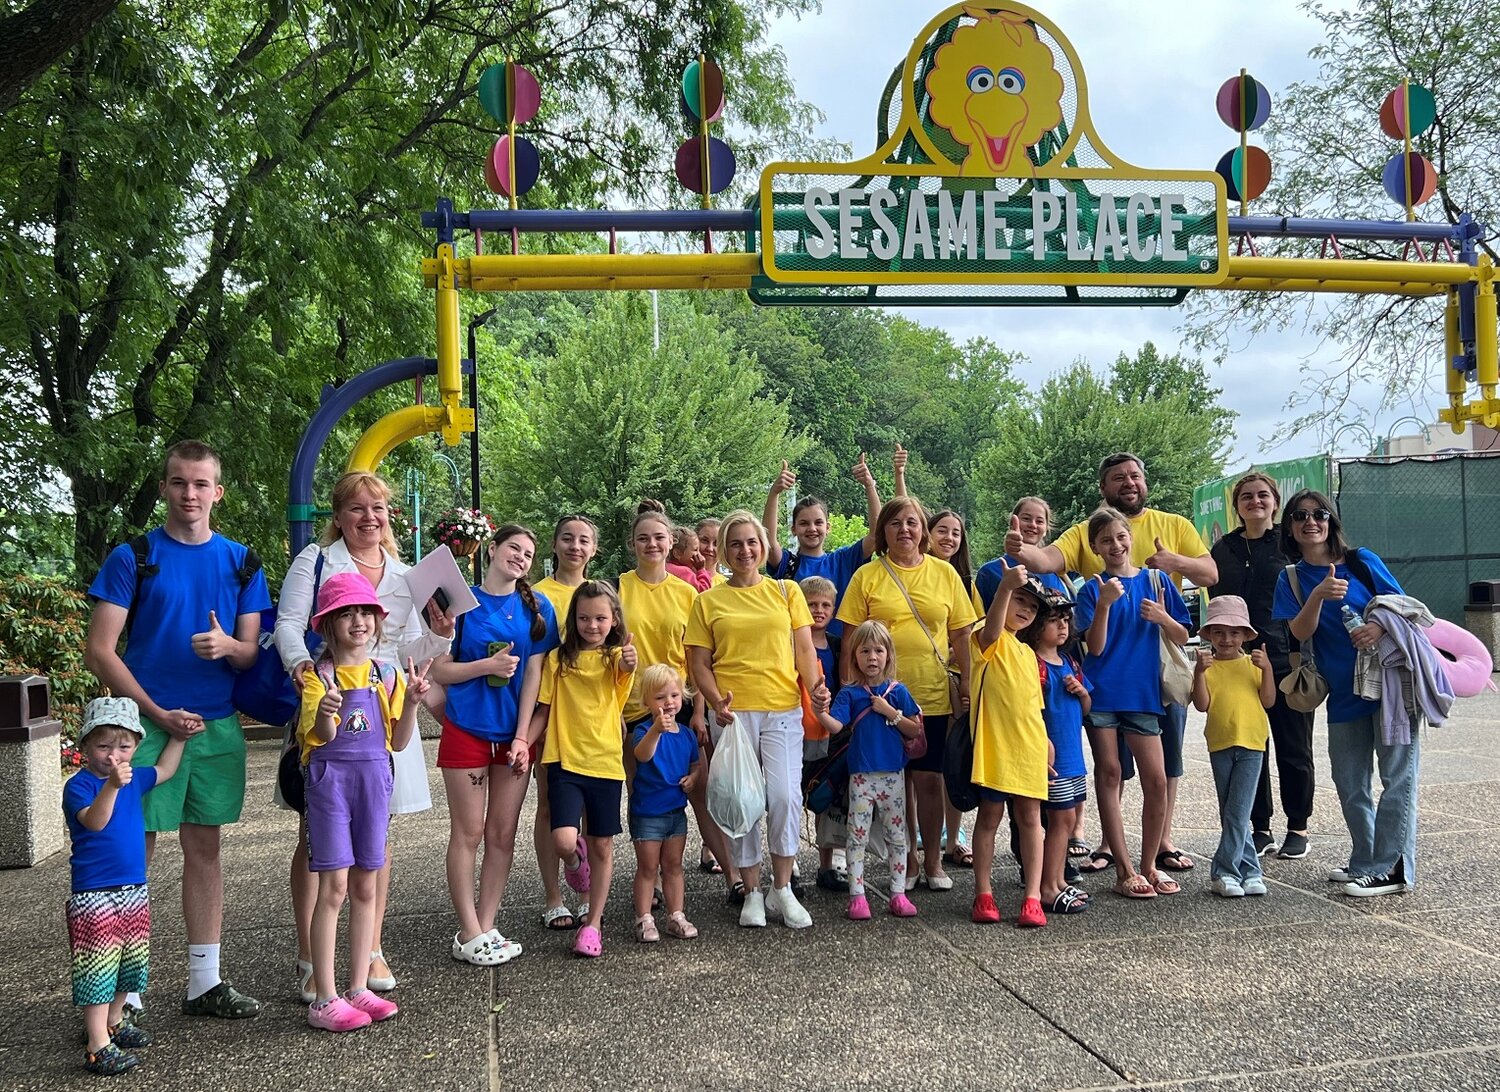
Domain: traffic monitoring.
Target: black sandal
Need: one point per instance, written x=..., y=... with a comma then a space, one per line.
x=711, y=866
x=736, y=895
x=1104, y=858
x=1174, y=860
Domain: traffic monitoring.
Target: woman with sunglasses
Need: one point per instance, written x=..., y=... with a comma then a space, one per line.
x=1334, y=583
x=1250, y=563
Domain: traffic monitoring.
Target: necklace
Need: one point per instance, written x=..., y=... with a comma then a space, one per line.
x=367, y=564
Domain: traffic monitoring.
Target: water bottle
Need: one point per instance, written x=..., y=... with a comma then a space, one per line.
x=1352, y=621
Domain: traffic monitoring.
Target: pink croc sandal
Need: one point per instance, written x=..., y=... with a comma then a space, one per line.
x=578, y=878
x=374, y=1006
x=588, y=943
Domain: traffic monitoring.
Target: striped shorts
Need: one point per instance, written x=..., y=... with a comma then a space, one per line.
x=109, y=933
x=1067, y=792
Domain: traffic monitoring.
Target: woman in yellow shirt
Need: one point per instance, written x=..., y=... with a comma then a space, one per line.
x=575, y=541
x=658, y=607
x=923, y=603
x=585, y=682
x=748, y=641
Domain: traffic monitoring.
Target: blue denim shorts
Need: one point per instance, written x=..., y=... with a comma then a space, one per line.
x=1141, y=724
x=658, y=828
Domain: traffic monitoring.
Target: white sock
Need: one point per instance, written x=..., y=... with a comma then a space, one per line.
x=134, y=999
x=203, y=969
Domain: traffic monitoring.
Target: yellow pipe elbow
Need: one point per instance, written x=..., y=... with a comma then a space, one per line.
x=390, y=432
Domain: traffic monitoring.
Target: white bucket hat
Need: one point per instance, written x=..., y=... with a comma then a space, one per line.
x=111, y=713
x=1229, y=610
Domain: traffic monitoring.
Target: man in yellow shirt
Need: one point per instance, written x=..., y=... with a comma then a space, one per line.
x=1159, y=540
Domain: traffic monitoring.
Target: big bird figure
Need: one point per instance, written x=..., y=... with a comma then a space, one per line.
x=995, y=88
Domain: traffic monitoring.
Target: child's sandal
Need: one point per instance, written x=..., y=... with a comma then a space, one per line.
x=645, y=929
x=678, y=926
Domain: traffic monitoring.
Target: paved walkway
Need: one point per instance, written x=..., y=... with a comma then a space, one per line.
x=1305, y=989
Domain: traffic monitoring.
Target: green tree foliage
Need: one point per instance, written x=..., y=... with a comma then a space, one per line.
x=43, y=621
x=610, y=420
x=1050, y=441
x=209, y=210
x=1325, y=141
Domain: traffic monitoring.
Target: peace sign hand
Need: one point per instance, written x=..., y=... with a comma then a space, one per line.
x=417, y=682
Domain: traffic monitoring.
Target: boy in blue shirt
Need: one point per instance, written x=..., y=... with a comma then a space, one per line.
x=109, y=914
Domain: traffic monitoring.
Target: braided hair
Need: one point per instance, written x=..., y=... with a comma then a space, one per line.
x=528, y=597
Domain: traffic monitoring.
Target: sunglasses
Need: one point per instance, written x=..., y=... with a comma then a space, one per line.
x=1302, y=515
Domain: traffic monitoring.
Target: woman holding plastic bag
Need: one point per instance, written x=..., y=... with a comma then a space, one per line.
x=748, y=641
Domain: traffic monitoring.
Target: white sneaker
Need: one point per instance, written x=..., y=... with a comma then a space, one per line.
x=840, y=861
x=1229, y=888
x=753, y=913
x=793, y=914
x=1254, y=886
x=1341, y=875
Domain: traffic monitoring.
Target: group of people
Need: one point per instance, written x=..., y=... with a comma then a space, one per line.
x=869, y=661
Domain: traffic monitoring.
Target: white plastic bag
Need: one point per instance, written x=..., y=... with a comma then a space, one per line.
x=736, y=785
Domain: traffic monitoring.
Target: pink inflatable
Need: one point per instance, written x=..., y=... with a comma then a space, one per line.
x=1466, y=661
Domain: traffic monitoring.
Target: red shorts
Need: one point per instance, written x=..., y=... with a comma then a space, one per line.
x=461, y=750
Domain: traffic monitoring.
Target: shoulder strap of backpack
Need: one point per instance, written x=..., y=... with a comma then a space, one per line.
x=1357, y=565
x=458, y=633
x=385, y=675
x=794, y=561
x=140, y=546
x=248, y=568
x=1291, y=578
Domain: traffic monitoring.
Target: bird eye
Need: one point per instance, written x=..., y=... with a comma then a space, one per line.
x=981, y=79
x=1011, y=81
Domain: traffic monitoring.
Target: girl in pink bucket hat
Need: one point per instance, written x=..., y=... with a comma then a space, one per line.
x=355, y=712
x=1235, y=691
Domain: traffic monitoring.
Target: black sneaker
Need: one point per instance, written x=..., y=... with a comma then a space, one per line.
x=1370, y=886
x=1293, y=847
x=1265, y=842
x=1071, y=873
x=109, y=1061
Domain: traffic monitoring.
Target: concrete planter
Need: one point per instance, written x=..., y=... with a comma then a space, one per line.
x=31, y=819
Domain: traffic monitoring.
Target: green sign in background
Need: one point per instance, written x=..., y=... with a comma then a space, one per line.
x=1213, y=512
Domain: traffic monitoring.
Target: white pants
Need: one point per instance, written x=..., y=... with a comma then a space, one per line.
x=777, y=740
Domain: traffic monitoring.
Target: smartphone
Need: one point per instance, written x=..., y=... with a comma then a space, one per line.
x=440, y=597
x=490, y=650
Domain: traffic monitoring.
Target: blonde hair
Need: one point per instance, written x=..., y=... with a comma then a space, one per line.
x=818, y=585
x=1103, y=517
x=654, y=677
x=738, y=518
x=349, y=486
x=874, y=633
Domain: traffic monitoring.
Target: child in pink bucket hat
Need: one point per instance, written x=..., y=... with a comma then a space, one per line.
x=1235, y=691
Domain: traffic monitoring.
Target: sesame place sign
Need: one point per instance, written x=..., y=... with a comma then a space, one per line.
x=990, y=174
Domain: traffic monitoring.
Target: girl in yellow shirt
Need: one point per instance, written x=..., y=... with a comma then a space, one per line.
x=585, y=682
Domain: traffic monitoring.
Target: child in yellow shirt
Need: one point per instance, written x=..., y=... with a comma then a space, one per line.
x=1235, y=691
x=585, y=683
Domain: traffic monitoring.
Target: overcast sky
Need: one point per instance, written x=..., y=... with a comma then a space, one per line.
x=1153, y=71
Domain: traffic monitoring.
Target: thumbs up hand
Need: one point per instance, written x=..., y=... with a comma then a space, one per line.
x=1013, y=539
x=898, y=459
x=1332, y=588
x=862, y=471
x=787, y=479
x=331, y=702
x=628, y=657
x=1109, y=590
x=1014, y=576
x=1164, y=559
x=1154, y=609
x=213, y=643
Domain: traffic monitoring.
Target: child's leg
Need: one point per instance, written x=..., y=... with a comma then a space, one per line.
x=98, y=1019
x=304, y=884
x=467, y=791
x=1080, y=823
x=912, y=863
x=541, y=838
x=1107, y=790
x=1026, y=813
x=861, y=815
x=953, y=822
x=502, y=817
x=1148, y=766
x=930, y=796
x=672, y=885
x=893, y=822
x=1055, y=852
x=1242, y=788
x=332, y=887
x=648, y=858
x=985, y=827
x=363, y=884
x=1227, y=856
x=601, y=871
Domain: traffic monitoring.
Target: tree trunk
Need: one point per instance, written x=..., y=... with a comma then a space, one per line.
x=34, y=38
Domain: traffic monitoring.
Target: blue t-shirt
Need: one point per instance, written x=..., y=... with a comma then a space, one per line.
x=1064, y=716
x=838, y=566
x=876, y=746
x=116, y=855
x=480, y=709
x=987, y=580
x=1127, y=677
x=655, y=790
x=1333, y=652
x=190, y=581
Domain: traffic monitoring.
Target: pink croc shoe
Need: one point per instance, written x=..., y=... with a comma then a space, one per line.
x=859, y=908
x=588, y=943
x=901, y=906
x=337, y=1015
x=374, y=1006
x=578, y=878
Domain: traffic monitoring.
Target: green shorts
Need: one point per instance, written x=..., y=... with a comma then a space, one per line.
x=209, y=786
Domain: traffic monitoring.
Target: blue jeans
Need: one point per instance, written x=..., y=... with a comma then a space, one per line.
x=1384, y=834
x=1236, y=777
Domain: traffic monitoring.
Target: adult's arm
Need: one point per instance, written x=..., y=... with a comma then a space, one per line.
x=1185, y=555
x=101, y=656
x=872, y=505
x=771, y=516
x=295, y=608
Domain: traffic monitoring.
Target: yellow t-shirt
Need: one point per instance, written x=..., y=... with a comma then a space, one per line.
x=348, y=678
x=656, y=616
x=1236, y=717
x=1176, y=534
x=1010, y=736
x=718, y=578
x=584, y=732
x=938, y=592
x=749, y=632
x=559, y=595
